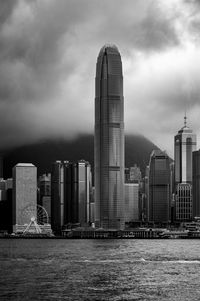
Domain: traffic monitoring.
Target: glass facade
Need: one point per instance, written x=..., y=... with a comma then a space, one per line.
x=77, y=192
x=131, y=202
x=184, y=145
x=196, y=184
x=109, y=139
x=159, y=187
x=84, y=188
x=184, y=202
x=57, y=196
x=71, y=194
x=71, y=191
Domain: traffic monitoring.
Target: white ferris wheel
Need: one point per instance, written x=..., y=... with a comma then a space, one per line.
x=36, y=216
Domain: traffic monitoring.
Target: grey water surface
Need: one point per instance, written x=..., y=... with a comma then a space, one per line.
x=48, y=269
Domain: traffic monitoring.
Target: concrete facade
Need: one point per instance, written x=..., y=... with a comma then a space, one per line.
x=24, y=194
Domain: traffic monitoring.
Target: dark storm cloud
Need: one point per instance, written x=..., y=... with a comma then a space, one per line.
x=157, y=31
x=192, y=2
x=48, y=52
x=140, y=25
x=6, y=9
x=192, y=7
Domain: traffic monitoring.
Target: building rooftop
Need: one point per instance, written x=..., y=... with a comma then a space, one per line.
x=158, y=153
x=185, y=128
x=25, y=165
x=110, y=48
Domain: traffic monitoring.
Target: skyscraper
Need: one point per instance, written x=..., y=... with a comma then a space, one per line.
x=84, y=191
x=109, y=139
x=1, y=166
x=6, y=205
x=184, y=145
x=44, y=199
x=24, y=194
x=70, y=193
x=77, y=182
x=196, y=184
x=133, y=174
x=57, y=196
x=131, y=196
x=159, y=187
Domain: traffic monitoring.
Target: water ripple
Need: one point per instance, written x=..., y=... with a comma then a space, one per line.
x=99, y=270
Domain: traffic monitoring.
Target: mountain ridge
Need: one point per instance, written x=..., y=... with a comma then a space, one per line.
x=43, y=153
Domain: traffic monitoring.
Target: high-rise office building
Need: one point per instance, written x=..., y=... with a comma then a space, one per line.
x=44, y=199
x=6, y=205
x=184, y=145
x=1, y=166
x=70, y=194
x=144, y=208
x=2, y=189
x=183, y=202
x=131, y=209
x=45, y=185
x=77, y=192
x=172, y=192
x=9, y=183
x=135, y=174
x=196, y=184
x=24, y=194
x=109, y=139
x=84, y=191
x=159, y=187
x=126, y=175
x=57, y=196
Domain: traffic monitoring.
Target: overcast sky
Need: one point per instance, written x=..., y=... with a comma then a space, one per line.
x=48, y=52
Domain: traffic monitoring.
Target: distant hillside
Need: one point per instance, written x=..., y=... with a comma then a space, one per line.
x=42, y=154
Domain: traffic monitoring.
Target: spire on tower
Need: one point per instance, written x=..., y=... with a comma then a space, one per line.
x=185, y=120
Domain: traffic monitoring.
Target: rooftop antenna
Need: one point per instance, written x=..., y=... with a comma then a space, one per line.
x=185, y=119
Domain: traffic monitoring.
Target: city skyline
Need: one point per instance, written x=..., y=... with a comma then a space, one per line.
x=42, y=61
x=105, y=204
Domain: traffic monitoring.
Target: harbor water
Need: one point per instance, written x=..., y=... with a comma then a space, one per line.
x=109, y=269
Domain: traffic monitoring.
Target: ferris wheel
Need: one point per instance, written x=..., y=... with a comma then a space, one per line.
x=34, y=217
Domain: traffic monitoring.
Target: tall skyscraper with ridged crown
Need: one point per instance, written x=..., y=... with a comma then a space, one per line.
x=109, y=139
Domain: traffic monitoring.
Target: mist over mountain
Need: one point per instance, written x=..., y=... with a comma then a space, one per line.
x=42, y=154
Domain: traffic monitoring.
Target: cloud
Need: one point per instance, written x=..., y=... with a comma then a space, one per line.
x=7, y=7
x=159, y=92
x=48, y=52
